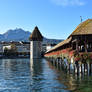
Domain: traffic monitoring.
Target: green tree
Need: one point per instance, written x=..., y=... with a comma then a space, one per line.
x=11, y=52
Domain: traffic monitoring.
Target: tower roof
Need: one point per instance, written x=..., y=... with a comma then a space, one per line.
x=36, y=35
x=83, y=28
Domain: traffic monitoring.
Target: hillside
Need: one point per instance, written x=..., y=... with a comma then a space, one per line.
x=19, y=34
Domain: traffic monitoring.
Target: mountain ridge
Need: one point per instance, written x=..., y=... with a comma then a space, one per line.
x=19, y=34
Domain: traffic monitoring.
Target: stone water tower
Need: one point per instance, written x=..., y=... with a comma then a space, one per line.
x=36, y=44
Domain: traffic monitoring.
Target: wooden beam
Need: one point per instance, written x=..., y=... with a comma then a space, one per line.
x=85, y=45
x=77, y=46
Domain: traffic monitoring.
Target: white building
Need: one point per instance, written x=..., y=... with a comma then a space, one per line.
x=21, y=47
x=8, y=47
x=49, y=46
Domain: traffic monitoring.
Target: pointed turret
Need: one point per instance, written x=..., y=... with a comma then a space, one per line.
x=36, y=35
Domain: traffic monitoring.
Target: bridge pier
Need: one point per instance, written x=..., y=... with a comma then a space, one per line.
x=79, y=69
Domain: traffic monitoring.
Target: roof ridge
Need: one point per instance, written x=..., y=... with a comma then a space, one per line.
x=80, y=26
x=83, y=24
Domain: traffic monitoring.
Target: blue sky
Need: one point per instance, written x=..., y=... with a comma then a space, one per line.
x=55, y=18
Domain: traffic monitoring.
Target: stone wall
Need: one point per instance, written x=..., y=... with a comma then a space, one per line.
x=35, y=49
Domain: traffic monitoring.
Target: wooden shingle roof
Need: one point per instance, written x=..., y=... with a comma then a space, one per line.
x=84, y=28
x=36, y=35
x=60, y=44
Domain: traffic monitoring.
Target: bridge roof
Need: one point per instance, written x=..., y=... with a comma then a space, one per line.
x=60, y=44
x=83, y=28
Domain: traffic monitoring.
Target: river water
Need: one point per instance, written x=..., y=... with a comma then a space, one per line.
x=38, y=75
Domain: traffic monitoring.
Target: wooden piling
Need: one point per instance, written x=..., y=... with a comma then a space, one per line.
x=78, y=69
x=84, y=67
x=74, y=69
x=90, y=69
x=69, y=68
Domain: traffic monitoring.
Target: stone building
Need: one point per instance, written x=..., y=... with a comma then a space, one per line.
x=36, y=44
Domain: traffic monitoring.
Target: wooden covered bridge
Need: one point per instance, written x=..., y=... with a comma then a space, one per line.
x=76, y=49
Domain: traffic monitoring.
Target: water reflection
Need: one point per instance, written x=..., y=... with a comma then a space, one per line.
x=73, y=82
x=43, y=78
x=36, y=74
x=30, y=75
x=14, y=75
x=36, y=66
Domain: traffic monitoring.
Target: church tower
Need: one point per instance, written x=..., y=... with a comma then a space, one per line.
x=36, y=44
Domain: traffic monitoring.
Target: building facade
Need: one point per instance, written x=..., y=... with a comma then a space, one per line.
x=20, y=47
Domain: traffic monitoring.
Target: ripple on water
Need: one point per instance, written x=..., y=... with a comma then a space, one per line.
x=23, y=75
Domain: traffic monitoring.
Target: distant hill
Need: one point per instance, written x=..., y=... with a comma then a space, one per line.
x=19, y=34
x=51, y=41
x=16, y=35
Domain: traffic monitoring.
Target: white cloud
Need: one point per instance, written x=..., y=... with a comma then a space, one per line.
x=68, y=2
